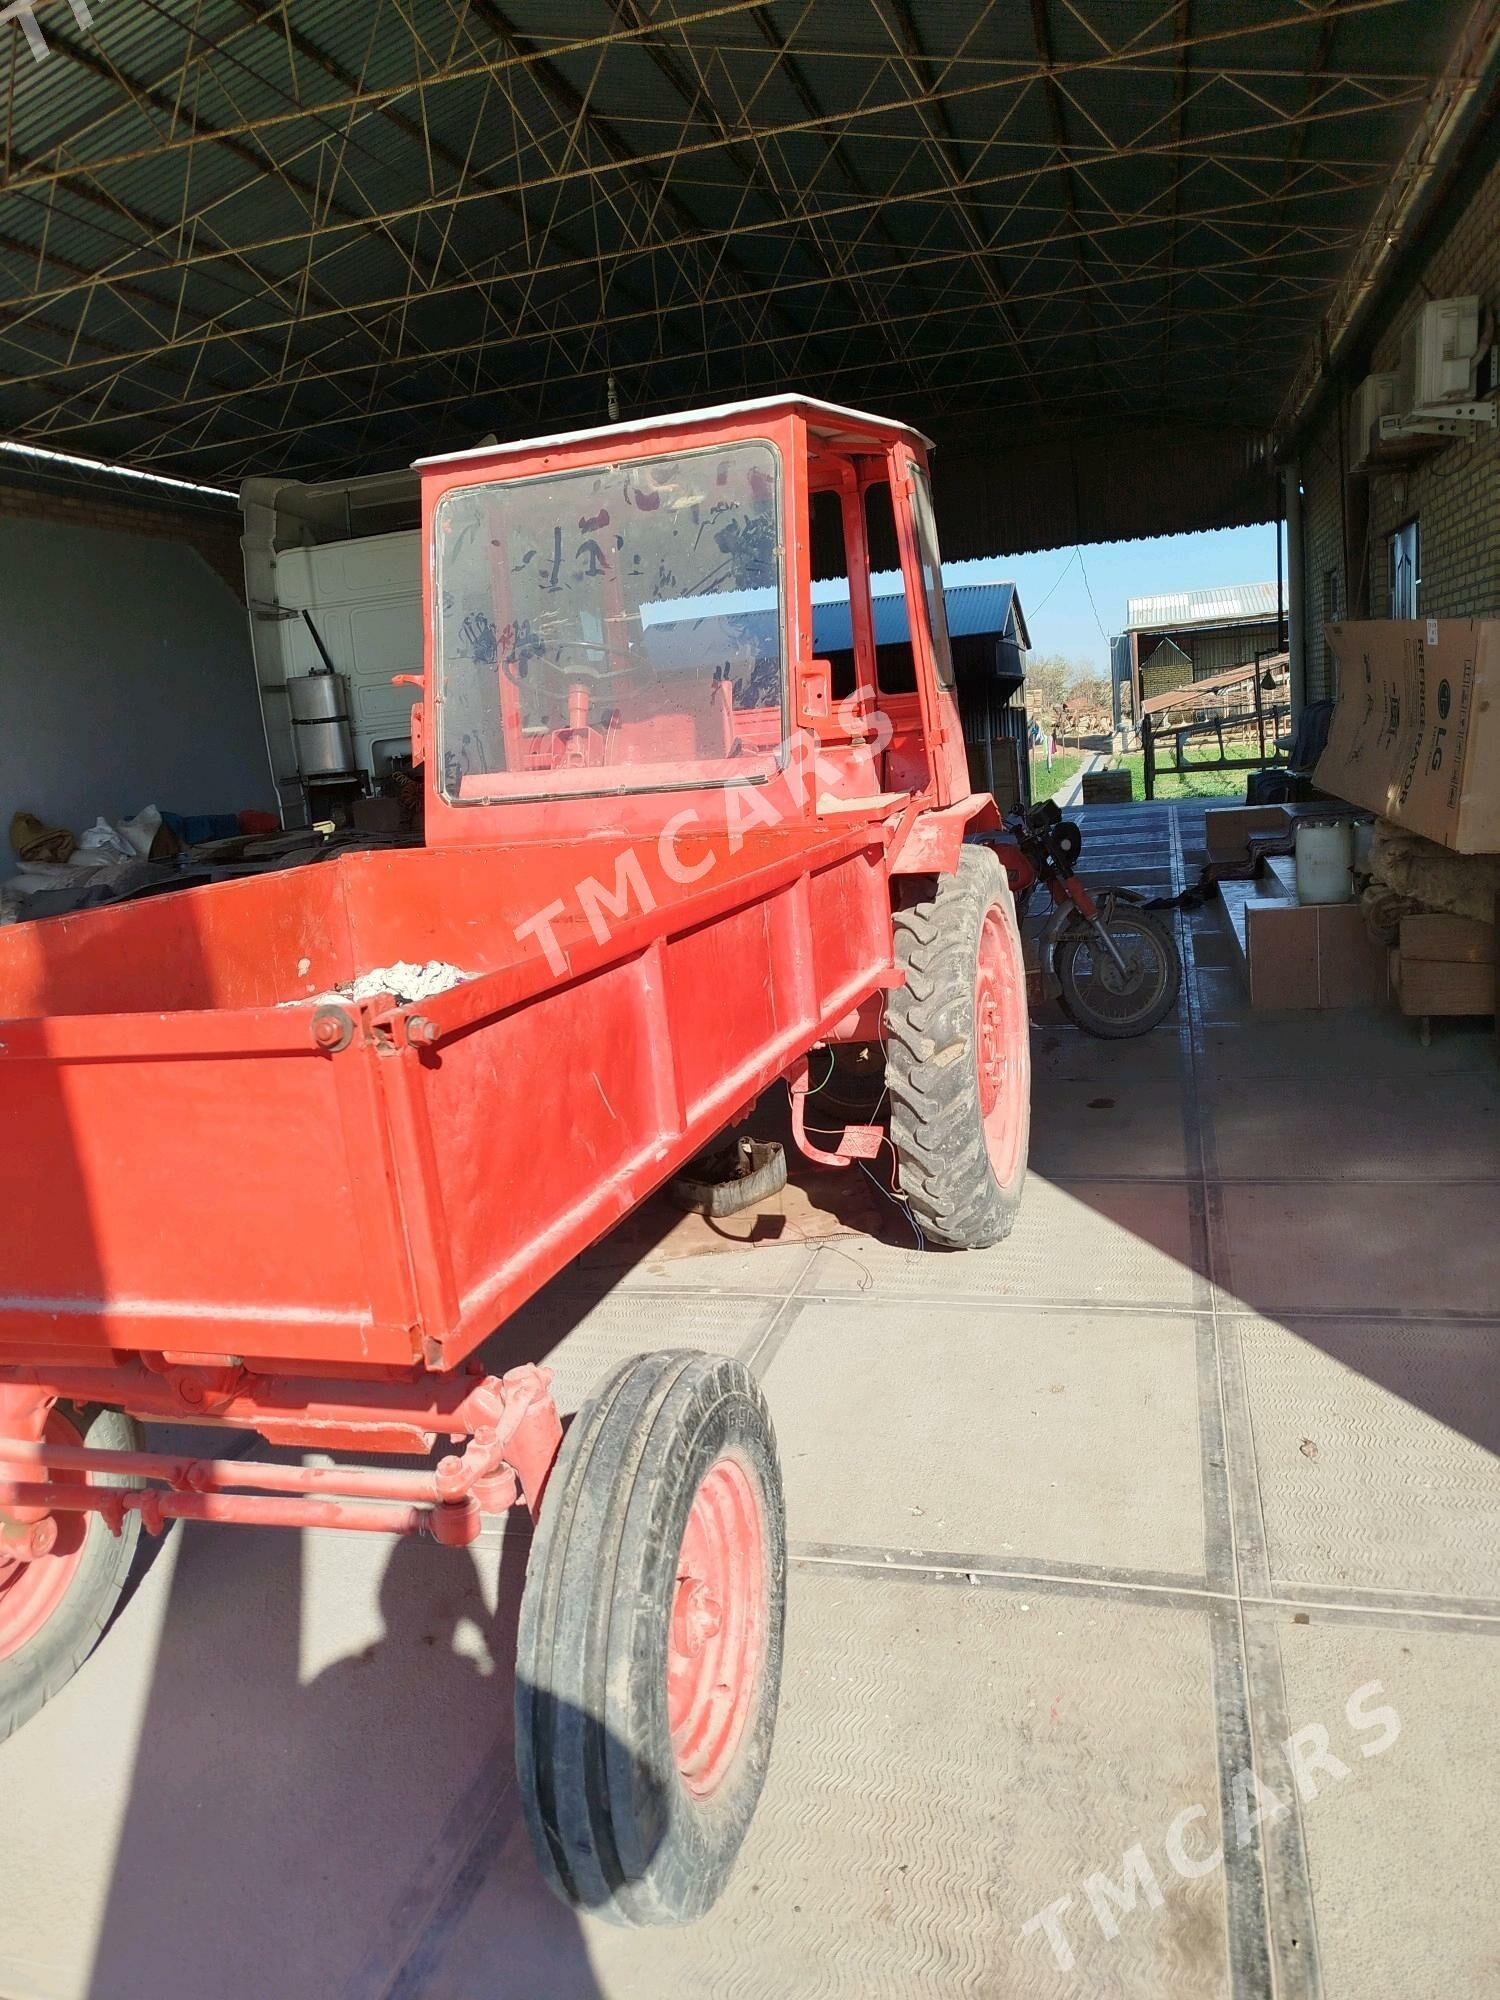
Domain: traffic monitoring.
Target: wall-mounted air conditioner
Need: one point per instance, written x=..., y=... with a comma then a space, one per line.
x=1436, y=390
x=1439, y=355
x=1373, y=399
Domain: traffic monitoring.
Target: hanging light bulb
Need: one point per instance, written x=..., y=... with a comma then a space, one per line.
x=612, y=396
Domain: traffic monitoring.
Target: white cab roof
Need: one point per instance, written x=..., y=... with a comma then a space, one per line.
x=830, y=420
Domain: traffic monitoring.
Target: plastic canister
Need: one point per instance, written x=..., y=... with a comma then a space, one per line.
x=1325, y=855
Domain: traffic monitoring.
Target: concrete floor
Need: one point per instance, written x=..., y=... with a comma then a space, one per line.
x=1084, y=1529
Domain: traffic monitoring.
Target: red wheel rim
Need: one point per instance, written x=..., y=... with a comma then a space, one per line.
x=1000, y=1029
x=30, y=1592
x=718, y=1629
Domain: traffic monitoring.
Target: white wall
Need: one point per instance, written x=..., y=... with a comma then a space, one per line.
x=366, y=600
x=125, y=680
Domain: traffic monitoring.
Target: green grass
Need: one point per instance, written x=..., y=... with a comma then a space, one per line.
x=1044, y=782
x=1194, y=785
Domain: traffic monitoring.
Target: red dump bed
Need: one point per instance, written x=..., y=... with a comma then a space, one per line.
x=186, y=1170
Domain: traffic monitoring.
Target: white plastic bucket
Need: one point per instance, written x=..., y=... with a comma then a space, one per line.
x=1325, y=856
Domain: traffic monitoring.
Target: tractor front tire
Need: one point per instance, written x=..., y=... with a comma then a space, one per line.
x=649, y=1653
x=958, y=1056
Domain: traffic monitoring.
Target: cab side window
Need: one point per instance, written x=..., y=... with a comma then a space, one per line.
x=895, y=668
x=833, y=636
x=932, y=576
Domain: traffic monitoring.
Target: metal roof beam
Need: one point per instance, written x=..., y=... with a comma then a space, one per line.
x=1261, y=311
x=937, y=406
x=835, y=148
x=366, y=98
x=1183, y=27
x=39, y=172
x=1295, y=242
x=418, y=132
x=862, y=369
x=1158, y=59
x=1042, y=35
x=935, y=116
x=1246, y=216
x=144, y=94
x=925, y=314
x=1210, y=147
x=699, y=105
x=308, y=191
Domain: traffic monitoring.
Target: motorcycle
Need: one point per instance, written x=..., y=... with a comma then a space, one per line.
x=1111, y=964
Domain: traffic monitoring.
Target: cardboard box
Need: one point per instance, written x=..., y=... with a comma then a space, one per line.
x=1436, y=986
x=1108, y=788
x=1416, y=733
x=1312, y=955
x=1453, y=940
x=1228, y=828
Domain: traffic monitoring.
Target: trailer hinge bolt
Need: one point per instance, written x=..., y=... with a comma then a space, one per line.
x=332, y=1029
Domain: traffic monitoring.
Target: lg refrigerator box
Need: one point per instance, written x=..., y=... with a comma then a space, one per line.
x=1416, y=733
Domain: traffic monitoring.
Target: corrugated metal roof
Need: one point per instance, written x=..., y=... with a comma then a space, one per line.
x=1220, y=604
x=975, y=605
x=324, y=238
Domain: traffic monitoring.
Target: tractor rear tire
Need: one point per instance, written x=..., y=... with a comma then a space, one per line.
x=53, y=1611
x=958, y=1056
x=649, y=1653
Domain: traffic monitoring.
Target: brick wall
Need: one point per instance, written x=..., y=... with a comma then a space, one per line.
x=1454, y=493
x=214, y=535
x=1322, y=558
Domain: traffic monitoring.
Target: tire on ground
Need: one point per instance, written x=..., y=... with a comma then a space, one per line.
x=1074, y=1001
x=616, y=1824
x=48, y=1660
x=958, y=1194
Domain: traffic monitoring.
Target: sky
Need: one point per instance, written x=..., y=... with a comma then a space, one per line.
x=1054, y=587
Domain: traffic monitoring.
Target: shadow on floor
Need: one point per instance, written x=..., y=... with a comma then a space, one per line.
x=323, y=1829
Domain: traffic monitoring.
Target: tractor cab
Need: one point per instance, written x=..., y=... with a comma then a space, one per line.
x=624, y=615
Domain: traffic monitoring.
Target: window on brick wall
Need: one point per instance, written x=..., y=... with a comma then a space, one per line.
x=1404, y=563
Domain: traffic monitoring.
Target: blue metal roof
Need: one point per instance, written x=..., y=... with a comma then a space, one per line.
x=976, y=603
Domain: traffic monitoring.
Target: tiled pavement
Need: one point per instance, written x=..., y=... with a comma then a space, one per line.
x=1084, y=1529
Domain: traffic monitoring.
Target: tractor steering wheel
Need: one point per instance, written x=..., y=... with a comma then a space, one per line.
x=550, y=676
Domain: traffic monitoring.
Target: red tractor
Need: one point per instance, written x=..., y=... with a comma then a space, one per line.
x=249, y=1185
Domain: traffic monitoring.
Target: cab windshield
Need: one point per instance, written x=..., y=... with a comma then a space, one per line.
x=614, y=629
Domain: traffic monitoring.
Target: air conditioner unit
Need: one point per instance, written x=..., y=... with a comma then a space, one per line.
x=1440, y=354
x=1437, y=397
x=1373, y=399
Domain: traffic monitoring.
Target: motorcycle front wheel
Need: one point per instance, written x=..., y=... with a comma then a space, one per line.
x=1100, y=996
